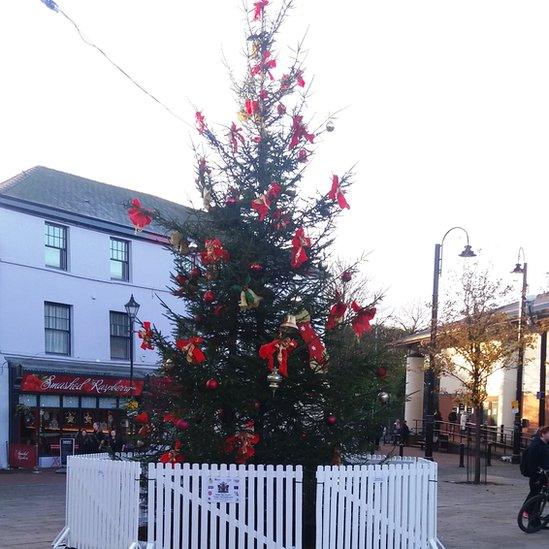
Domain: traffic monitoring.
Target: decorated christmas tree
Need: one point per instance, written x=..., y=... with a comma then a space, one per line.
x=266, y=363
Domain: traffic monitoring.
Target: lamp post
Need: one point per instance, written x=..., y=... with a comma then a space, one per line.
x=520, y=268
x=132, y=308
x=430, y=373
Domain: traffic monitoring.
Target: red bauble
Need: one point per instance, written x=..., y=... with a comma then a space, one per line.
x=331, y=420
x=182, y=424
x=257, y=405
x=381, y=373
x=195, y=272
x=256, y=267
x=209, y=296
x=346, y=276
x=231, y=201
x=143, y=417
x=212, y=384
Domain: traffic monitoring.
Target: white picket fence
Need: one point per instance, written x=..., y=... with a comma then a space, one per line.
x=102, y=503
x=384, y=505
x=267, y=515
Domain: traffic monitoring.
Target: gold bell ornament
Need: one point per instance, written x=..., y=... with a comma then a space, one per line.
x=249, y=299
x=179, y=242
x=289, y=322
x=274, y=379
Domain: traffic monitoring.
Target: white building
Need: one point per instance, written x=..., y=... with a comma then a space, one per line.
x=69, y=261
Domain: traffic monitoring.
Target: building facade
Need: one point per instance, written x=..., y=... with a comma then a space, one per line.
x=69, y=261
x=502, y=384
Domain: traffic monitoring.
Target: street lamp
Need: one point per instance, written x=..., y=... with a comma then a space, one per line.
x=132, y=308
x=522, y=269
x=430, y=373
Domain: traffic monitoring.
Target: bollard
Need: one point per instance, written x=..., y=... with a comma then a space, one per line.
x=461, y=454
x=401, y=450
x=489, y=456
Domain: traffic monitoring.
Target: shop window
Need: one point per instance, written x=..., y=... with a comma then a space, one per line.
x=120, y=335
x=70, y=402
x=107, y=403
x=89, y=402
x=50, y=401
x=28, y=400
x=120, y=259
x=57, y=323
x=56, y=246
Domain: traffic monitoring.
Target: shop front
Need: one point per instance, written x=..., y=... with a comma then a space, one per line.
x=49, y=406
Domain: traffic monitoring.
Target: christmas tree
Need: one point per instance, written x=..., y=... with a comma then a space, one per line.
x=266, y=364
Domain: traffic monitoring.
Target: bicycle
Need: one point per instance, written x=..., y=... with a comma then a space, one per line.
x=533, y=515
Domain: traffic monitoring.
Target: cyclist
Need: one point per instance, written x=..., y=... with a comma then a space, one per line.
x=538, y=456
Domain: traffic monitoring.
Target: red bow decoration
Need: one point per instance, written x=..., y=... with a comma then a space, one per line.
x=265, y=65
x=252, y=107
x=299, y=79
x=173, y=456
x=259, y=9
x=299, y=243
x=280, y=219
x=361, y=321
x=336, y=194
x=336, y=314
x=262, y=203
x=213, y=252
x=143, y=418
x=243, y=442
x=281, y=109
x=146, y=335
x=280, y=347
x=302, y=155
x=299, y=131
x=317, y=351
x=139, y=217
x=200, y=122
x=236, y=136
x=194, y=354
x=285, y=83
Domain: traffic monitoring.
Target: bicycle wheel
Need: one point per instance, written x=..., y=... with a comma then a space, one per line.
x=530, y=518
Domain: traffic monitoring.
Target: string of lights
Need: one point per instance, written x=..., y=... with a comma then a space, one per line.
x=52, y=5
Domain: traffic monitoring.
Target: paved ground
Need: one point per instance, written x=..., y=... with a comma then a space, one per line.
x=32, y=508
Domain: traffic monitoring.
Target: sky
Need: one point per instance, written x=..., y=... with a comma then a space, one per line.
x=446, y=114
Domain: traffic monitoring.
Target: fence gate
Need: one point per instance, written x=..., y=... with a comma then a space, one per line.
x=224, y=507
x=389, y=506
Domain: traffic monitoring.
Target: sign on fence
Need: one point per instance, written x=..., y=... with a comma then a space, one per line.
x=224, y=489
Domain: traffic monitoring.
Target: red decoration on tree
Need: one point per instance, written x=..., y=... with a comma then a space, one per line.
x=336, y=314
x=299, y=243
x=143, y=417
x=251, y=107
x=182, y=424
x=285, y=83
x=299, y=131
x=317, y=351
x=262, y=203
x=302, y=155
x=200, y=122
x=218, y=309
x=173, y=456
x=212, y=384
x=361, y=321
x=203, y=168
x=195, y=273
x=299, y=79
x=209, y=296
x=169, y=418
x=139, y=217
x=265, y=65
x=242, y=443
x=281, y=109
x=336, y=194
x=235, y=136
x=256, y=267
x=280, y=219
x=193, y=353
x=213, y=252
x=381, y=373
x=259, y=8
x=145, y=335
x=346, y=276
x=331, y=420
x=280, y=348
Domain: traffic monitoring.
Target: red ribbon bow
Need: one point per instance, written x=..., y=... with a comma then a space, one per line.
x=299, y=79
x=281, y=348
x=336, y=194
x=139, y=217
x=336, y=314
x=299, y=131
x=262, y=203
x=265, y=65
x=259, y=8
x=251, y=106
x=146, y=335
x=299, y=243
x=200, y=122
x=361, y=321
x=194, y=354
x=243, y=442
x=236, y=136
x=213, y=252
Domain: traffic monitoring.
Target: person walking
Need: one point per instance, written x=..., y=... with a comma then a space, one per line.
x=405, y=433
x=96, y=439
x=536, y=457
x=397, y=431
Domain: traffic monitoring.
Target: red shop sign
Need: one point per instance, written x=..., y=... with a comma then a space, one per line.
x=22, y=455
x=79, y=385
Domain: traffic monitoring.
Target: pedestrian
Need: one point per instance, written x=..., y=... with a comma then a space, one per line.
x=536, y=456
x=79, y=441
x=96, y=439
x=397, y=431
x=405, y=433
x=438, y=421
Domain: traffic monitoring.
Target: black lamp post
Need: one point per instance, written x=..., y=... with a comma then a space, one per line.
x=522, y=269
x=430, y=373
x=132, y=308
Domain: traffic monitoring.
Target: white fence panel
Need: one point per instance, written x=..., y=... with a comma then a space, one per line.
x=185, y=514
x=102, y=503
x=388, y=504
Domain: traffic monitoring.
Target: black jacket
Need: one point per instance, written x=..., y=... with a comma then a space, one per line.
x=538, y=454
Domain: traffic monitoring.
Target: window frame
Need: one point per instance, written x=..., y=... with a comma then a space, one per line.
x=64, y=252
x=69, y=331
x=125, y=264
x=127, y=338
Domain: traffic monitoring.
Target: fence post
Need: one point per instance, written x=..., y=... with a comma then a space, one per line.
x=461, y=454
x=489, y=455
x=501, y=435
